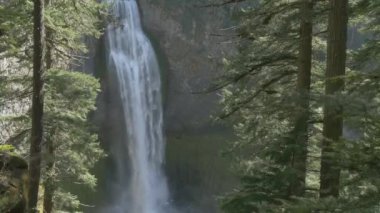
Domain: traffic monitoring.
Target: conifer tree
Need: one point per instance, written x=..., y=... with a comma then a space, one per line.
x=270, y=84
x=301, y=126
x=49, y=184
x=65, y=42
x=349, y=174
x=333, y=111
x=67, y=133
x=37, y=105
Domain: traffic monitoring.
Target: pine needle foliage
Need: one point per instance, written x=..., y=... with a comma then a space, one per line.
x=259, y=97
x=70, y=96
x=262, y=98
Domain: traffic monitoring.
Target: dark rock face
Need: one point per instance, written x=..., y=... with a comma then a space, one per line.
x=190, y=43
x=13, y=173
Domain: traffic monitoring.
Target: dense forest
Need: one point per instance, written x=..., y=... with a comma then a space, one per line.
x=97, y=106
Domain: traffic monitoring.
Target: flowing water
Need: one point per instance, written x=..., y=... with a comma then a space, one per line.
x=141, y=185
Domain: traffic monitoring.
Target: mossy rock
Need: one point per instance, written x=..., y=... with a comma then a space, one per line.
x=13, y=182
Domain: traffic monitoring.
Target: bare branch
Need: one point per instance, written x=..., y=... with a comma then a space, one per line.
x=220, y=4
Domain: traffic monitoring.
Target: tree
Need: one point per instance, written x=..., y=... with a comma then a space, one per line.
x=301, y=126
x=37, y=105
x=49, y=183
x=333, y=110
x=65, y=42
x=274, y=123
x=70, y=97
x=67, y=23
x=268, y=90
x=359, y=152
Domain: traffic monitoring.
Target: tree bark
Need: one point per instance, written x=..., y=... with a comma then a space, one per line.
x=49, y=184
x=333, y=111
x=37, y=106
x=301, y=128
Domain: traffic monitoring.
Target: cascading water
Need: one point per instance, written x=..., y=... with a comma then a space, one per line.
x=142, y=188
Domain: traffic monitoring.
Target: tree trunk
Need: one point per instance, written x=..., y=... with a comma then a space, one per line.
x=333, y=111
x=49, y=184
x=37, y=106
x=303, y=90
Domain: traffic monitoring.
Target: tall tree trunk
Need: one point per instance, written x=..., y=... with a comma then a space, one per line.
x=37, y=106
x=333, y=111
x=49, y=184
x=303, y=89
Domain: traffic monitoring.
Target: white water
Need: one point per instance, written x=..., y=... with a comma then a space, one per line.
x=142, y=187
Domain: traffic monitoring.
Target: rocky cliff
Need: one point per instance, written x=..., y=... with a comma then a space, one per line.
x=190, y=41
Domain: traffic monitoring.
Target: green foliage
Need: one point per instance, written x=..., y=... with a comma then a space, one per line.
x=66, y=202
x=69, y=96
x=15, y=28
x=359, y=154
x=68, y=23
x=259, y=94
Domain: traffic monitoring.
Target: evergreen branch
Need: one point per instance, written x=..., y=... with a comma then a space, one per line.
x=230, y=80
x=263, y=88
x=220, y=4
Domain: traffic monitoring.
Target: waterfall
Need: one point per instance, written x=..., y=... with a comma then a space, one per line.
x=143, y=187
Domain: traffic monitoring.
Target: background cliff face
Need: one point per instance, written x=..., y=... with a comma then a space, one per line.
x=190, y=44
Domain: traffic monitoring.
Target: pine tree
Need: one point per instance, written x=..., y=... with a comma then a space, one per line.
x=70, y=98
x=351, y=183
x=37, y=105
x=333, y=117
x=66, y=41
x=67, y=23
x=49, y=183
x=270, y=84
x=359, y=152
x=301, y=126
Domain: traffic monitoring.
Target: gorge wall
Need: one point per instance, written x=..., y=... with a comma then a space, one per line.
x=191, y=41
